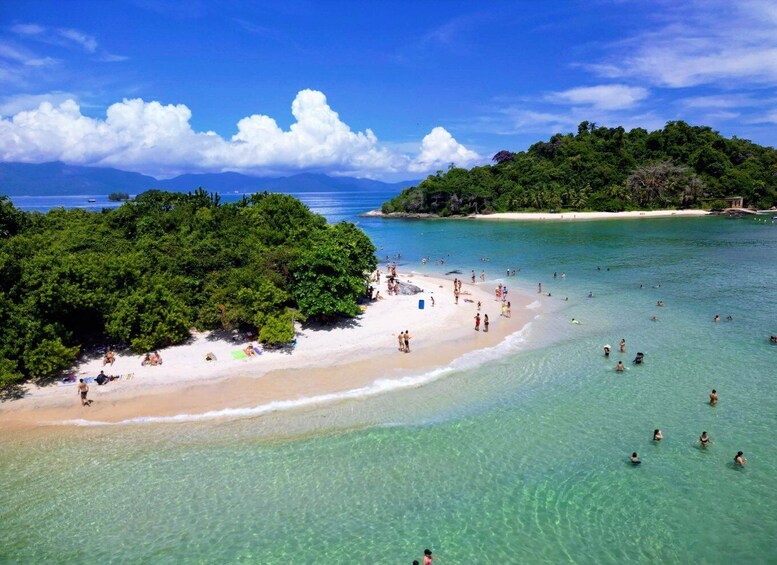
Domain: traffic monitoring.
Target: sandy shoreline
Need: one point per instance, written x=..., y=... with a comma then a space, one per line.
x=565, y=216
x=325, y=363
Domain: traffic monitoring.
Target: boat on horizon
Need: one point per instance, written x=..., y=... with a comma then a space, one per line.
x=92, y=200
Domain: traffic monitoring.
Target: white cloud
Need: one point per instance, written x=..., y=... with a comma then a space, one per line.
x=16, y=103
x=86, y=41
x=439, y=148
x=701, y=42
x=27, y=29
x=602, y=97
x=158, y=139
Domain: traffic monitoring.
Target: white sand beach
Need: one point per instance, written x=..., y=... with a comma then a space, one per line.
x=573, y=216
x=547, y=216
x=325, y=359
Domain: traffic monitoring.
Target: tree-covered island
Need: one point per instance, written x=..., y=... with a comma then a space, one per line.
x=146, y=273
x=605, y=169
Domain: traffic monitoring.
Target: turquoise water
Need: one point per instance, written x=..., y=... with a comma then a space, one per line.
x=519, y=457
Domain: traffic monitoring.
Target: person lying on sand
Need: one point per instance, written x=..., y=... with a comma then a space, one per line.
x=109, y=358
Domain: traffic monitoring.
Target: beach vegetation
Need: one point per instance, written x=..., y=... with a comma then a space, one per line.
x=145, y=274
x=604, y=169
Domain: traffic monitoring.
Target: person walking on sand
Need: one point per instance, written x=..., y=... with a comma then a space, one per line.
x=407, y=341
x=477, y=322
x=485, y=322
x=508, y=311
x=478, y=305
x=83, y=390
x=473, y=277
x=401, y=338
x=713, y=397
x=482, y=276
x=431, y=299
x=455, y=296
x=539, y=288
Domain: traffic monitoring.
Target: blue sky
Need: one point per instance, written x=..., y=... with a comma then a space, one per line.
x=387, y=90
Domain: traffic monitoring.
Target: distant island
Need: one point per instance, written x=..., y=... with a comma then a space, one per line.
x=61, y=179
x=605, y=170
x=118, y=196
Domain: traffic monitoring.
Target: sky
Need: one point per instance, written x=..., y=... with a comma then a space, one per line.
x=388, y=90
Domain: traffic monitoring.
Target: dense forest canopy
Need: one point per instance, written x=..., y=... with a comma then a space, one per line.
x=146, y=273
x=605, y=169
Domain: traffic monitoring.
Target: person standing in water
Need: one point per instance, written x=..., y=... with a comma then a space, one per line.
x=713, y=397
x=657, y=435
x=539, y=288
x=619, y=367
x=634, y=459
x=428, y=556
x=739, y=460
x=623, y=345
x=704, y=440
x=607, y=350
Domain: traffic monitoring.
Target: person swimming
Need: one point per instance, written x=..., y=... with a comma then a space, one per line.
x=635, y=460
x=704, y=440
x=657, y=435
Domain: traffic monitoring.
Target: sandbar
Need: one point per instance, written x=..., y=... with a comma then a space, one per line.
x=325, y=361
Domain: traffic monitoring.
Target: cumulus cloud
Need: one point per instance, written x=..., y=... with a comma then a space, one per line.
x=602, y=97
x=439, y=148
x=158, y=139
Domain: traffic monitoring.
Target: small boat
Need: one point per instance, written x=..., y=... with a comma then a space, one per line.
x=92, y=200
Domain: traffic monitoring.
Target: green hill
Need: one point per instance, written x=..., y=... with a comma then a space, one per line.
x=605, y=169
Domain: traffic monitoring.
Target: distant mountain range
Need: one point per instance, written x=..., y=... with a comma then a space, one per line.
x=56, y=178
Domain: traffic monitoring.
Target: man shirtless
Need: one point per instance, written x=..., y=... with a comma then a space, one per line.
x=83, y=390
x=401, y=338
x=407, y=341
x=713, y=397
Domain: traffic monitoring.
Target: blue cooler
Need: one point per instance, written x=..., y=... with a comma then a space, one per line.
x=421, y=304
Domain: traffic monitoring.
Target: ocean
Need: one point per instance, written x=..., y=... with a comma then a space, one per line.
x=513, y=455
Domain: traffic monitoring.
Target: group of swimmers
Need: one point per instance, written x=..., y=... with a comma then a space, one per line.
x=704, y=441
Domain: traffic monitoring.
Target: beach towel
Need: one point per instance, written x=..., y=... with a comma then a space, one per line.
x=239, y=354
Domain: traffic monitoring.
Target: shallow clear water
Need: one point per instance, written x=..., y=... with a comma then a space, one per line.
x=521, y=458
